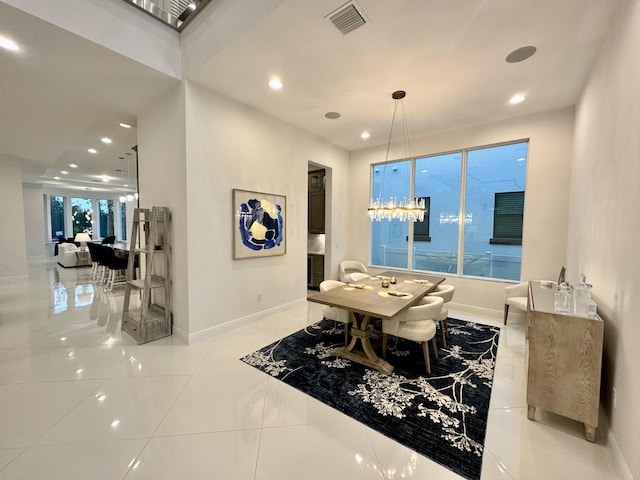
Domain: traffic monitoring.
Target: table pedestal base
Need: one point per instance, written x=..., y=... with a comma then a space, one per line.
x=360, y=333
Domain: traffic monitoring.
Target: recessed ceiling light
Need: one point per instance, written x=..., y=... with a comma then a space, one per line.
x=106, y=140
x=332, y=115
x=517, y=99
x=73, y=165
x=365, y=135
x=275, y=84
x=8, y=44
x=92, y=150
x=520, y=54
x=64, y=172
x=105, y=178
x=125, y=125
x=56, y=178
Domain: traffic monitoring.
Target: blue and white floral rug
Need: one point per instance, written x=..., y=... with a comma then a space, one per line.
x=442, y=416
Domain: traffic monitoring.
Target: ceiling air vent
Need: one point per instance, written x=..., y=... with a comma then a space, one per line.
x=347, y=18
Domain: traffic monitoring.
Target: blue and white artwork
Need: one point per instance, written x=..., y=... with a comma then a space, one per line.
x=259, y=224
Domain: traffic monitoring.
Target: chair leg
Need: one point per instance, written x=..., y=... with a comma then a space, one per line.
x=506, y=312
x=435, y=346
x=443, y=326
x=425, y=351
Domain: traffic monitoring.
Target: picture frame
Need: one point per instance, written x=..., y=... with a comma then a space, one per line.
x=259, y=224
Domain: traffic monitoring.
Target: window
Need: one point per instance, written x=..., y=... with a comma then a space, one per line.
x=57, y=216
x=492, y=170
x=487, y=184
x=123, y=220
x=438, y=176
x=81, y=215
x=508, y=211
x=389, y=238
x=106, y=218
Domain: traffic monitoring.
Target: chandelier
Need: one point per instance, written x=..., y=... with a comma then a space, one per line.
x=404, y=210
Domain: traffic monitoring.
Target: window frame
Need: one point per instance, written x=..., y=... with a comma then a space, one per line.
x=488, y=225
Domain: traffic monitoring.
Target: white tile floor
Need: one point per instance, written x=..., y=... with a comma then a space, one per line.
x=79, y=400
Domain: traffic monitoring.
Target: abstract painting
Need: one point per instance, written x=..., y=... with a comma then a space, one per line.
x=259, y=224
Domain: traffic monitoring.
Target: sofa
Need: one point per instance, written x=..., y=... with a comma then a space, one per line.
x=68, y=254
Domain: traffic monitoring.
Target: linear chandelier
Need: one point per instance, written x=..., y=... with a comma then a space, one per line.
x=404, y=210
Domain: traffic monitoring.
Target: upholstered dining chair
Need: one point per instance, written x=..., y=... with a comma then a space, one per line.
x=446, y=293
x=415, y=323
x=116, y=268
x=515, y=296
x=352, y=271
x=334, y=313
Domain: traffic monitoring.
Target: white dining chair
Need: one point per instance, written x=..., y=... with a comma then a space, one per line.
x=334, y=313
x=415, y=323
x=349, y=269
x=515, y=296
x=446, y=293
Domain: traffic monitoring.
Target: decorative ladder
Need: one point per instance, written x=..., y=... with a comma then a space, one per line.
x=150, y=240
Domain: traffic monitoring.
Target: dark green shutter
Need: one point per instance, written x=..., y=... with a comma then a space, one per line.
x=507, y=218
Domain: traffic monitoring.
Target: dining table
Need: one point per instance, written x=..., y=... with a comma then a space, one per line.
x=384, y=296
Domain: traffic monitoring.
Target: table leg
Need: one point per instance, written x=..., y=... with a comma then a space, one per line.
x=360, y=333
x=531, y=412
x=589, y=433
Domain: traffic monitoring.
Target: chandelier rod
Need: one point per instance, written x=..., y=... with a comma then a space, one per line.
x=386, y=158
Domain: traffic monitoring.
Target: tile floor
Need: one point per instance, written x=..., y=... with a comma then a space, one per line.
x=78, y=400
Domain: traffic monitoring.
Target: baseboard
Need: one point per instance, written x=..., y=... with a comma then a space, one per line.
x=486, y=312
x=620, y=460
x=210, y=332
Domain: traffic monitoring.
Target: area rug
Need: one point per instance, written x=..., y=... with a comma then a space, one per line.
x=442, y=415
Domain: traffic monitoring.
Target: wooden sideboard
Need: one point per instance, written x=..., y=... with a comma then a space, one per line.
x=565, y=360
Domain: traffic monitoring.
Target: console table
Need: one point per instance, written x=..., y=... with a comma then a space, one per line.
x=84, y=259
x=565, y=360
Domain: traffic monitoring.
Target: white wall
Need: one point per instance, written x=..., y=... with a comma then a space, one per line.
x=162, y=182
x=605, y=224
x=232, y=146
x=34, y=219
x=546, y=204
x=13, y=247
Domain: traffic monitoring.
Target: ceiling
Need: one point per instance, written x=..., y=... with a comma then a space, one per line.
x=63, y=93
x=60, y=94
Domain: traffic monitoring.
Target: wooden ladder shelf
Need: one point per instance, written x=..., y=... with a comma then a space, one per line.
x=150, y=253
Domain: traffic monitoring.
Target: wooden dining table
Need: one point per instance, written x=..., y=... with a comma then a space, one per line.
x=366, y=300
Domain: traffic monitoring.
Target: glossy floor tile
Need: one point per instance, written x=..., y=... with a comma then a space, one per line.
x=78, y=399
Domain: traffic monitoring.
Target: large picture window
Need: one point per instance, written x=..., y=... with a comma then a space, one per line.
x=107, y=227
x=57, y=216
x=123, y=221
x=82, y=215
x=390, y=247
x=475, y=213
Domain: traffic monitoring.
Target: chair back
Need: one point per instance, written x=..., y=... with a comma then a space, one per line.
x=327, y=285
x=443, y=291
x=427, y=309
x=109, y=240
x=92, y=252
x=423, y=312
x=347, y=267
